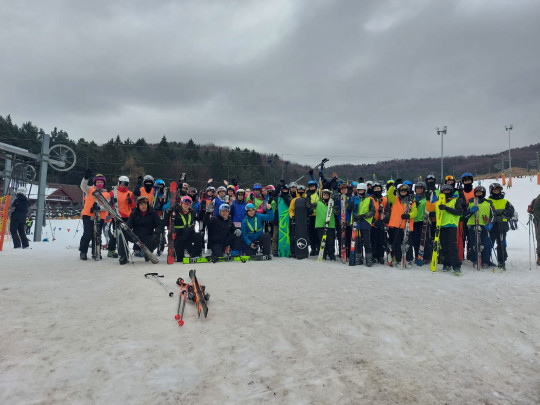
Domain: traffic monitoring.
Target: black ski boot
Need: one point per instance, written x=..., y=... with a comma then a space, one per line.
x=123, y=260
x=83, y=256
x=369, y=260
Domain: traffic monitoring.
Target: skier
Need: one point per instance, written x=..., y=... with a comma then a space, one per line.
x=238, y=208
x=124, y=201
x=256, y=196
x=451, y=205
x=145, y=187
x=378, y=227
x=221, y=198
x=206, y=209
x=344, y=190
x=29, y=223
x=17, y=222
x=536, y=221
x=320, y=222
x=484, y=208
x=418, y=224
x=399, y=219
x=222, y=232
x=363, y=209
x=503, y=210
x=87, y=213
x=231, y=195
x=466, y=193
x=253, y=231
x=146, y=224
x=184, y=228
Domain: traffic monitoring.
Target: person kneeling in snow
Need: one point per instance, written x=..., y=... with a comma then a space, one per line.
x=146, y=224
x=223, y=233
x=184, y=227
x=253, y=230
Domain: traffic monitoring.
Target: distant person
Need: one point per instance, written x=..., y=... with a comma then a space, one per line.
x=502, y=212
x=29, y=223
x=18, y=219
x=536, y=220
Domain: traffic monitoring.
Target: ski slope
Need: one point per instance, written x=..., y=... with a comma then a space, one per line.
x=284, y=331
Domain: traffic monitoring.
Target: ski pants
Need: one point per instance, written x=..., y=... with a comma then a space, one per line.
x=112, y=235
x=88, y=232
x=265, y=242
x=292, y=239
x=218, y=248
x=275, y=239
x=329, y=248
x=537, y=228
x=498, y=236
x=150, y=241
x=449, y=249
x=485, y=246
x=192, y=244
x=363, y=242
x=396, y=238
x=377, y=238
x=18, y=233
x=416, y=238
x=314, y=240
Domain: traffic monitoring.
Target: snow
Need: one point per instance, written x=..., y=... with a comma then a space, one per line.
x=284, y=331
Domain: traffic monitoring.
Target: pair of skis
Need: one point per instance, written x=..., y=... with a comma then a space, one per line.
x=329, y=212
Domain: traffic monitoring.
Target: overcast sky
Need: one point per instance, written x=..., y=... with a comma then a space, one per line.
x=349, y=80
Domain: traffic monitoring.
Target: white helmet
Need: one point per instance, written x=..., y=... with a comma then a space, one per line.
x=22, y=190
x=362, y=186
x=123, y=179
x=221, y=188
x=148, y=178
x=369, y=183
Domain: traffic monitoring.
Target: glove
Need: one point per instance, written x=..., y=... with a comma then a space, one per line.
x=129, y=200
x=87, y=174
x=311, y=172
x=139, y=180
x=473, y=209
x=360, y=179
x=489, y=227
x=405, y=216
x=94, y=207
x=234, y=182
x=379, y=224
x=507, y=214
x=398, y=181
x=443, y=207
x=237, y=233
x=359, y=217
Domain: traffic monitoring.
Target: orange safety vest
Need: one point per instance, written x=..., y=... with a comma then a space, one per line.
x=377, y=204
x=89, y=203
x=148, y=195
x=395, y=216
x=123, y=205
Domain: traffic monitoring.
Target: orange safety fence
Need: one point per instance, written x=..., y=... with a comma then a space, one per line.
x=4, y=208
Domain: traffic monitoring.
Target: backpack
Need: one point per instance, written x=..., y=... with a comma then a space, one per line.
x=530, y=208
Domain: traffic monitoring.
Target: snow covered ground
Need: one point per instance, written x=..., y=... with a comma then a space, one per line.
x=284, y=331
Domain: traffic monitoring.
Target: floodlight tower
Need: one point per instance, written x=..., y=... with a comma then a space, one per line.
x=442, y=132
x=509, y=128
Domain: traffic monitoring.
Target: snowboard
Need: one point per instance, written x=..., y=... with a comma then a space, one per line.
x=301, y=234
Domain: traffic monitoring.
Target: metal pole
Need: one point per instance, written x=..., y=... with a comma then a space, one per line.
x=442, y=132
x=509, y=128
x=44, y=162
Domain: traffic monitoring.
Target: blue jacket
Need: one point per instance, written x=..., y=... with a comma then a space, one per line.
x=253, y=227
x=238, y=211
x=217, y=201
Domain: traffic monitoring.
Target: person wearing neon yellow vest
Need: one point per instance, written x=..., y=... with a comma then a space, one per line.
x=451, y=205
x=253, y=230
x=484, y=208
x=502, y=212
x=363, y=210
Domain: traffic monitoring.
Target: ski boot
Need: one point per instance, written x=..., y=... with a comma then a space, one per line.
x=123, y=260
x=457, y=270
x=83, y=256
x=369, y=260
x=446, y=267
x=112, y=253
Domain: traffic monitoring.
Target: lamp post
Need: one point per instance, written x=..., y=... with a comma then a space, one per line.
x=509, y=128
x=442, y=132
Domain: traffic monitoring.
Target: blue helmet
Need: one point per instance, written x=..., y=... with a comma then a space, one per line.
x=250, y=206
x=224, y=207
x=257, y=186
x=311, y=183
x=464, y=175
x=408, y=183
x=159, y=182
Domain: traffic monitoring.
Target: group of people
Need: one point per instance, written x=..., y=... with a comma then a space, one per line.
x=231, y=220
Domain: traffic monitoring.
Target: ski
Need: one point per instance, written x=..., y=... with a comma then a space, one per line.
x=423, y=238
x=406, y=232
x=329, y=213
x=352, y=253
x=98, y=196
x=343, y=229
x=259, y=258
x=200, y=298
x=171, y=235
x=435, y=254
x=96, y=243
x=213, y=259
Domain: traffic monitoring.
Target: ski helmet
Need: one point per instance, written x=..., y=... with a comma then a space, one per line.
x=403, y=187
x=22, y=190
x=342, y=185
x=449, y=177
x=141, y=199
x=326, y=191
x=270, y=187
x=494, y=186
x=362, y=186
x=250, y=206
x=430, y=176
x=447, y=187
x=224, y=207
x=376, y=184
x=240, y=191
x=123, y=181
x=467, y=175
x=185, y=185
x=221, y=188
x=148, y=178
x=159, y=182
x=98, y=177
x=293, y=184
x=187, y=199
x=312, y=183
x=369, y=183
x=420, y=184
x=482, y=189
x=354, y=184
x=257, y=186
x=230, y=187
x=212, y=189
x=301, y=188
x=408, y=183
x=192, y=191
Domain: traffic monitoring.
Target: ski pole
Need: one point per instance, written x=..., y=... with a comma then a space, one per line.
x=183, y=294
x=166, y=287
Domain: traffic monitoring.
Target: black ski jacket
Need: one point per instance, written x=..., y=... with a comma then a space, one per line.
x=20, y=205
x=145, y=225
x=219, y=229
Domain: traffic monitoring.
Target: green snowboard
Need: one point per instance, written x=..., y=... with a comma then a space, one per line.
x=284, y=241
